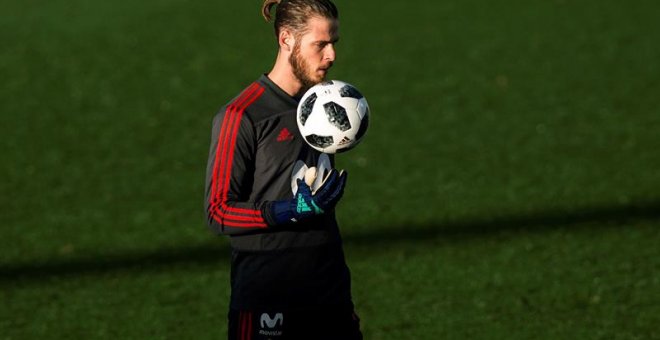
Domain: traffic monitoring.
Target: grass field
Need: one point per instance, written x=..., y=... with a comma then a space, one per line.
x=509, y=186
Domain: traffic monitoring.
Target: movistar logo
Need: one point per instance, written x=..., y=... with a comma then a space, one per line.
x=268, y=324
x=271, y=323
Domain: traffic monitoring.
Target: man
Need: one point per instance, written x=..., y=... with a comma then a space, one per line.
x=289, y=279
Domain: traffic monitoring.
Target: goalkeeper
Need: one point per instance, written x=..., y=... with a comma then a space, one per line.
x=274, y=196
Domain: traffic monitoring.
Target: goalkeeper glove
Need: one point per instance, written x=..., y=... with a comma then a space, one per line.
x=306, y=203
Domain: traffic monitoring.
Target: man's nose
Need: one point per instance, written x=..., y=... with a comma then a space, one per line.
x=329, y=53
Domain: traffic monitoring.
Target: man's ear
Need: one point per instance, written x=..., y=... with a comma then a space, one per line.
x=286, y=40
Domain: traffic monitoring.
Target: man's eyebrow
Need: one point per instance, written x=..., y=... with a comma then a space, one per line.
x=332, y=41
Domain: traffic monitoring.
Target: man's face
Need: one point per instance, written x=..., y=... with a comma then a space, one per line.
x=314, y=51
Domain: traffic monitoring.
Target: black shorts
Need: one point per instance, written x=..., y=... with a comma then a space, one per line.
x=308, y=325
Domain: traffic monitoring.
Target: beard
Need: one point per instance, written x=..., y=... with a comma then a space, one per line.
x=301, y=69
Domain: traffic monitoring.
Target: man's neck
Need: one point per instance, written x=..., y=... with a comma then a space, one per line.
x=282, y=75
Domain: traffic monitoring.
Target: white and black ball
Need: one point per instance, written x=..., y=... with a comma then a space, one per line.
x=333, y=116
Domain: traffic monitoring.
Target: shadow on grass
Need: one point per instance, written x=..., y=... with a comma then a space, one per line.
x=214, y=253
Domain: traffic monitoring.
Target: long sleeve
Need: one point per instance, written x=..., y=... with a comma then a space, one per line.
x=230, y=172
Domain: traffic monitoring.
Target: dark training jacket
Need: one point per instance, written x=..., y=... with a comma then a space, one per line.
x=256, y=154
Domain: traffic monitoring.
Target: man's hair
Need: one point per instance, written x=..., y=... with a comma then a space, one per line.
x=293, y=14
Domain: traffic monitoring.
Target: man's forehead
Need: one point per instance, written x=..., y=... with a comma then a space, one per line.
x=322, y=29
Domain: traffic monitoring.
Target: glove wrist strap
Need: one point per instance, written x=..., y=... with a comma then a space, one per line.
x=283, y=211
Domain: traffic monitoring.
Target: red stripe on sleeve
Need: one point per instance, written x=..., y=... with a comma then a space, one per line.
x=221, y=150
x=231, y=216
x=231, y=157
x=223, y=136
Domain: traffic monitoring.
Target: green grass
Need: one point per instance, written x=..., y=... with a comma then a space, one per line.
x=507, y=188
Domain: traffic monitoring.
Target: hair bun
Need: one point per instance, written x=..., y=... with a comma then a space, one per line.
x=266, y=8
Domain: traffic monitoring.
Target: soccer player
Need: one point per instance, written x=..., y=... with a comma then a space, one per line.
x=289, y=278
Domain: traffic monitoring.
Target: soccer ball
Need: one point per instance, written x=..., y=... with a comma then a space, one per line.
x=333, y=116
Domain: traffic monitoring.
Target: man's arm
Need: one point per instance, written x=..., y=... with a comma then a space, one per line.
x=229, y=176
x=228, y=183
x=229, y=172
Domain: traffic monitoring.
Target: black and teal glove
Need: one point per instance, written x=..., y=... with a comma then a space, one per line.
x=306, y=203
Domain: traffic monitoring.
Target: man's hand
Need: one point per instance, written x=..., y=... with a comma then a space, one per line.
x=306, y=203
